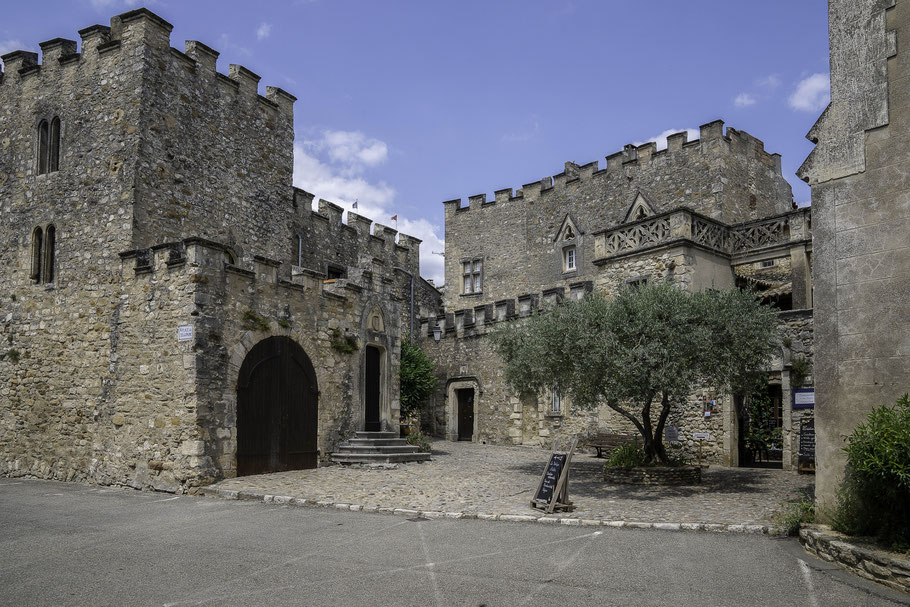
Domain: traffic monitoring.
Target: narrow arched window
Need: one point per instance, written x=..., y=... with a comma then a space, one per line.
x=43, y=145
x=49, y=145
x=37, y=258
x=54, y=145
x=50, y=238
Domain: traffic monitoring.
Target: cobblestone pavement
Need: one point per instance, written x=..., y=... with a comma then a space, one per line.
x=485, y=479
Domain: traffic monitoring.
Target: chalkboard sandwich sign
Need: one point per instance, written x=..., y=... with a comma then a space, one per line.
x=807, y=445
x=553, y=490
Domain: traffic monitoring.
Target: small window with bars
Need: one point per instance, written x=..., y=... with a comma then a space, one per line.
x=472, y=272
x=555, y=400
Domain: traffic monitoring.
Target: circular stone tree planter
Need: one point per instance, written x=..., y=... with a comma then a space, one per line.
x=654, y=475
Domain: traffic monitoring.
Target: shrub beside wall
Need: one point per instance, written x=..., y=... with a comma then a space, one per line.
x=874, y=499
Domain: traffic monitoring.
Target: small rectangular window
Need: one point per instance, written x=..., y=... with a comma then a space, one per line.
x=569, y=260
x=334, y=272
x=473, y=276
x=768, y=263
x=555, y=400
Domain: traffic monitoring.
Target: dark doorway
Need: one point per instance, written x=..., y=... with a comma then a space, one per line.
x=277, y=409
x=760, y=428
x=465, y=413
x=372, y=389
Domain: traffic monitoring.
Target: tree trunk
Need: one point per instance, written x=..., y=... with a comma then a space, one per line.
x=659, y=432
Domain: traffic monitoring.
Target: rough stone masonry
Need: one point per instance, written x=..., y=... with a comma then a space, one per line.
x=151, y=238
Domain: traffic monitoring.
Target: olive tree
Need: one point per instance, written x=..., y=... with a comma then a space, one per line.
x=642, y=352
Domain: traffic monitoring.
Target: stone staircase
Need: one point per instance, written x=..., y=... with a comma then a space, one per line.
x=377, y=448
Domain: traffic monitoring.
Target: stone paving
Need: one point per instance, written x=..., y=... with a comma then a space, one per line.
x=484, y=480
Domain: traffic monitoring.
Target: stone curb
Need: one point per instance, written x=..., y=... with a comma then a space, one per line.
x=876, y=565
x=229, y=494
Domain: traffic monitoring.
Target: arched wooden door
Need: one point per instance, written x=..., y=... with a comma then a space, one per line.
x=277, y=409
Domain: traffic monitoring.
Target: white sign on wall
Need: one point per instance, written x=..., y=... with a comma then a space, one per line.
x=185, y=333
x=803, y=398
x=701, y=435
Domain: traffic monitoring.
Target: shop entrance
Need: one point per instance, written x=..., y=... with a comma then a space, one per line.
x=760, y=437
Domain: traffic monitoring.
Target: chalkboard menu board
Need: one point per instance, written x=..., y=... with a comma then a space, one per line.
x=807, y=438
x=807, y=445
x=551, y=477
x=553, y=490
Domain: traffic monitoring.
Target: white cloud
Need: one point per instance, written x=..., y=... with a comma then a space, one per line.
x=333, y=168
x=226, y=44
x=340, y=184
x=812, y=94
x=744, y=100
x=772, y=81
x=353, y=147
x=8, y=46
x=263, y=31
x=661, y=139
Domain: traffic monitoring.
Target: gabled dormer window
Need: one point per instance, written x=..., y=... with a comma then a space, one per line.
x=568, y=241
x=640, y=208
x=49, y=145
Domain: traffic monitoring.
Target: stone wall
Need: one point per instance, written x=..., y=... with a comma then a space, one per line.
x=729, y=178
x=164, y=414
x=682, y=475
x=861, y=221
x=159, y=155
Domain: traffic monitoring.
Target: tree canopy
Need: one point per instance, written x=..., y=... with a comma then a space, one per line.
x=417, y=378
x=641, y=352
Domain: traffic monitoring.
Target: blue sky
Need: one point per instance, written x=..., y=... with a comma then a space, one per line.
x=405, y=104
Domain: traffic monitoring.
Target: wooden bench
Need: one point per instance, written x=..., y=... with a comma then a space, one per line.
x=605, y=442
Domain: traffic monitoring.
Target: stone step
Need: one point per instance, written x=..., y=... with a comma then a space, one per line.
x=375, y=458
x=389, y=434
x=376, y=441
x=370, y=448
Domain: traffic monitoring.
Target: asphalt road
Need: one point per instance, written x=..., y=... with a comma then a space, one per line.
x=68, y=544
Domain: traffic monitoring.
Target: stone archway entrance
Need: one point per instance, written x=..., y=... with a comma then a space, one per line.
x=465, y=398
x=277, y=409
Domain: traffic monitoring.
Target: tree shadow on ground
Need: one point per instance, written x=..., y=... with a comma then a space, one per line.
x=586, y=480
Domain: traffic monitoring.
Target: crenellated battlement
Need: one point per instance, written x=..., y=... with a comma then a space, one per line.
x=357, y=243
x=479, y=320
x=197, y=260
x=143, y=27
x=631, y=160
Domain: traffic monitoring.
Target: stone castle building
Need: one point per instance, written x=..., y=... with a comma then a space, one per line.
x=860, y=192
x=167, y=293
x=173, y=310
x=710, y=213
